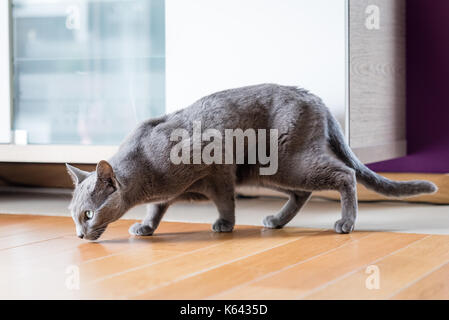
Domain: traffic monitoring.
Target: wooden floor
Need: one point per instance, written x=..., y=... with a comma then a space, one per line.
x=40, y=257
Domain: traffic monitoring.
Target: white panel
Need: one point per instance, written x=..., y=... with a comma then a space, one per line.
x=5, y=74
x=213, y=45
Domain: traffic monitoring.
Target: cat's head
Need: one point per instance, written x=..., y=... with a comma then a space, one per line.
x=97, y=200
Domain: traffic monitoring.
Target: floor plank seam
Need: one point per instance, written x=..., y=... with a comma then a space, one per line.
x=2, y=238
x=49, y=239
x=71, y=248
x=273, y=273
x=150, y=264
x=120, y=252
x=327, y=284
x=417, y=280
x=213, y=268
x=34, y=242
x=112, y=254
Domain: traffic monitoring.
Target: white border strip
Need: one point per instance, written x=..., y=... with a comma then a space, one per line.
x=56, y=153
x=5, y=73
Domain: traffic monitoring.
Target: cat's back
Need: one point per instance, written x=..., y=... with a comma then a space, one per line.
x=256, y=104
x=267, y=95
x=294, y=112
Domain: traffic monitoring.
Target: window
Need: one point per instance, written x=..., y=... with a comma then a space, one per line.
x=86, y=71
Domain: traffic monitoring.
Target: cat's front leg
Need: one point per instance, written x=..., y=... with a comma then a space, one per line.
x=155, y=212
x=223, y=225
x=140, y=229
x=225, y=204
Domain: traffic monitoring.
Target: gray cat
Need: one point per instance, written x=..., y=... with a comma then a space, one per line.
x=312, y=155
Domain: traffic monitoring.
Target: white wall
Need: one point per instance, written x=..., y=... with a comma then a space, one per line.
x=213, y=45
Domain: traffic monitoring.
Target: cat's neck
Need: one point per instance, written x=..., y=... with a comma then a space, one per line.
x=137, y=170
x=134, y=183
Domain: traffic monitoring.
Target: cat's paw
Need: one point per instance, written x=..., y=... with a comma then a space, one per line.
x=222, y=225
x=139, y=229
x=271, y=222
x=344, y=226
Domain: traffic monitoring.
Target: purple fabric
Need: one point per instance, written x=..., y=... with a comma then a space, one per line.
x=427, y=90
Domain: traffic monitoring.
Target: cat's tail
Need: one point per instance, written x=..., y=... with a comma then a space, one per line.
x=368, y=178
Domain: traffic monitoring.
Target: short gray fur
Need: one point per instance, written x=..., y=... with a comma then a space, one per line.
x=313, y=155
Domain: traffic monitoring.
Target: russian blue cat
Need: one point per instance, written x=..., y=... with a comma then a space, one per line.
x=311, y=152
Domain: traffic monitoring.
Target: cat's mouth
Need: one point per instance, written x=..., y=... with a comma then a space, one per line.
x=94, y=235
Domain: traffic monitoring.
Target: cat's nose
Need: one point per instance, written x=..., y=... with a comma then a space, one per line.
x=80, y=235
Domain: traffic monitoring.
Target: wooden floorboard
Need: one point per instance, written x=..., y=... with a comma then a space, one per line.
x=250, y=267
x=41, y=257
x=395, y=271
x=432, y=286
x=298, y=280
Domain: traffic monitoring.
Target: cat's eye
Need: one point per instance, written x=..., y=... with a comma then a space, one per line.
x=89, y=214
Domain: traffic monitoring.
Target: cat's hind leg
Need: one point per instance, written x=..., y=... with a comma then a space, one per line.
x=296, y=201
x=323, y=172
x=331, y=174
x=155, y=212
x=349, y=205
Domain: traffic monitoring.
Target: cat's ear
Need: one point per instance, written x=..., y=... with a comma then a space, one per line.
x=106, y=174
x=76, y=174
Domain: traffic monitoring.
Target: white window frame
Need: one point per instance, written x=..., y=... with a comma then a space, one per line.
x=11, y=152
